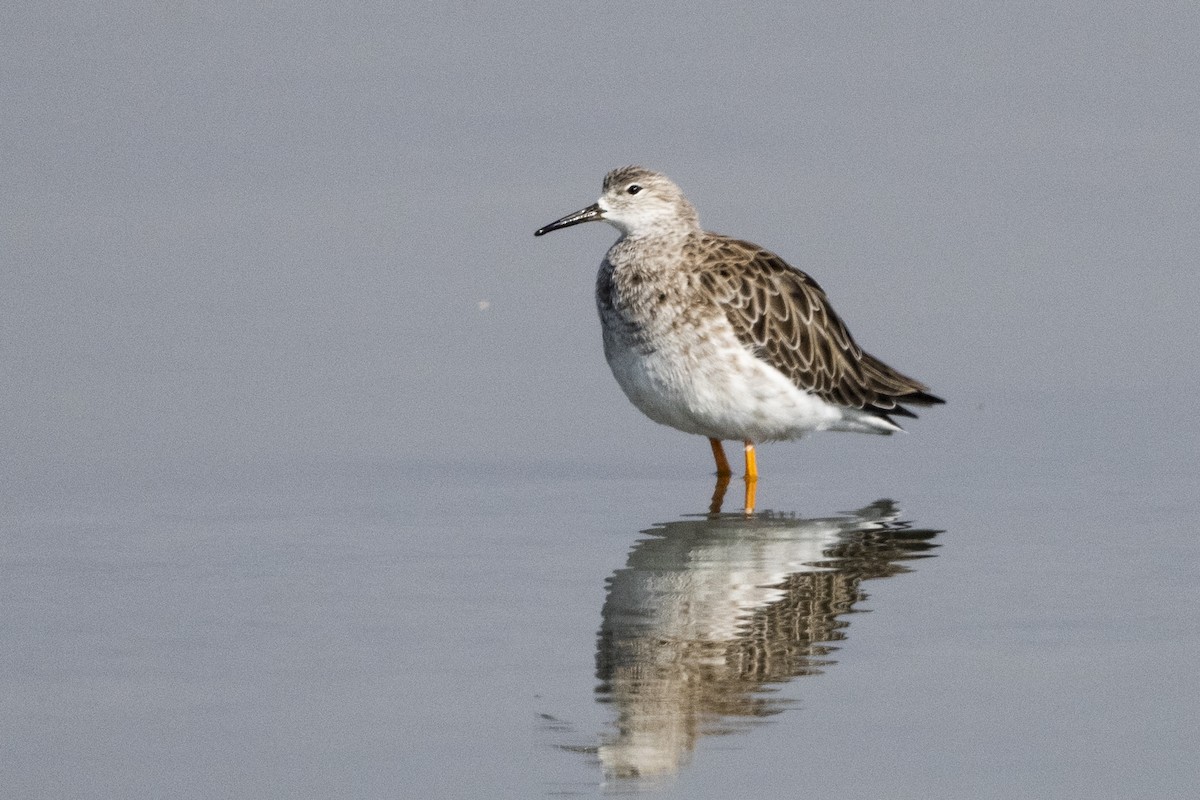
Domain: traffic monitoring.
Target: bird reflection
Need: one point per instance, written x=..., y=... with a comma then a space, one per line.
x=710, y=612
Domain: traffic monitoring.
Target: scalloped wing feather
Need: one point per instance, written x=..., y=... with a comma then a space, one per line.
x=784, y=317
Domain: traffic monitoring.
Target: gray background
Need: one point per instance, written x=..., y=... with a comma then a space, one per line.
x=313, y=470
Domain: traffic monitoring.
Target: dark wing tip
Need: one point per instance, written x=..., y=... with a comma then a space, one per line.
x=891, y=406
x=921, y=399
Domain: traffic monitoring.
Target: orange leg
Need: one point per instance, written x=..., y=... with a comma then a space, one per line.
x=723, y=469
x=751, y=462
x=751, y=477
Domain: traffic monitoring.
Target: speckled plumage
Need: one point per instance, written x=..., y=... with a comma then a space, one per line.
x=721, y=338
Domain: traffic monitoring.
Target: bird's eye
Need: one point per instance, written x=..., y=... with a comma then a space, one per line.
x=633, y=188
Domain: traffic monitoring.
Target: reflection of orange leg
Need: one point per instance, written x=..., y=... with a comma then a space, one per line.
x=718, y=497
x=751, y=476
x=723, y=469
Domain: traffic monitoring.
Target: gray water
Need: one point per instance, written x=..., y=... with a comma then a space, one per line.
x=316, y=483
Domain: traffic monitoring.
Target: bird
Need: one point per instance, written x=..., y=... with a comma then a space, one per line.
x=722, y=338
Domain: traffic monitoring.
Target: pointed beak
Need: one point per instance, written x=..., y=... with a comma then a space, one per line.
x=590, y=214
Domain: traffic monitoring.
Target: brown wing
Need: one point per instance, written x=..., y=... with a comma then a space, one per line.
x=784, y=317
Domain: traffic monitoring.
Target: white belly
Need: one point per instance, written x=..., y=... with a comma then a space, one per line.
x=708, y=384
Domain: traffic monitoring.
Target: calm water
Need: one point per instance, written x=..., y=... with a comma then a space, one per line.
x=374, y=630
x=316, y=484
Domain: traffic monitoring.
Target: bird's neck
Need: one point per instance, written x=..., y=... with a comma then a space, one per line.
x=649, y=250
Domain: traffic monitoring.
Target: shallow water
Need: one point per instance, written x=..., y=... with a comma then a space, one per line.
x=316, y=483
x=366, y=630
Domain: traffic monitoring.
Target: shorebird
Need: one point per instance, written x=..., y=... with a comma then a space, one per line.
x=719, y=337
